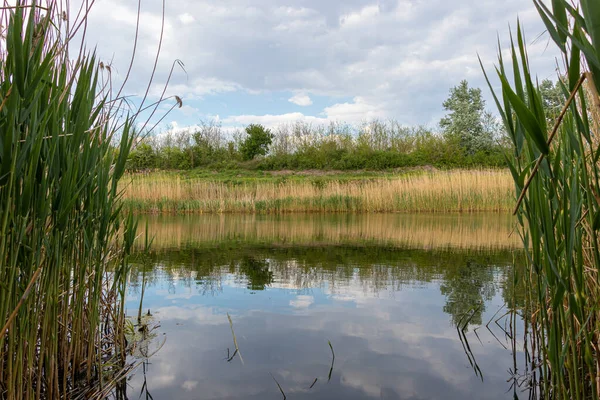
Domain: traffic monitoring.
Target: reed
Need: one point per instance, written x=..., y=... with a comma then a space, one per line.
x=557, y=179
x=439, y=191
x=63, y=242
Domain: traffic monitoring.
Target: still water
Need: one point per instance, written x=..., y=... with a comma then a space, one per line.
x=403, y=300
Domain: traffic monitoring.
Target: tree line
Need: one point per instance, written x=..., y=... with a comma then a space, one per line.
x=467, y=136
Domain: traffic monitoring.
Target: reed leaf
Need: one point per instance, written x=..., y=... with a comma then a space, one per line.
x=63, y=243
x=557, y=208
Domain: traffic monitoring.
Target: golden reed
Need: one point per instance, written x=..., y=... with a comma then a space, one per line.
x=438, y=191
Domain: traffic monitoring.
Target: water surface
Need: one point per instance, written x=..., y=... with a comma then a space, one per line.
x=387, y=291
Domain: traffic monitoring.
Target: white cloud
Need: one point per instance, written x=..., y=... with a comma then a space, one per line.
x=189, y=111
x=186, y=18
x=302, y=100
x=196, y=88
x=359, y=110
x=355, y=112
x=271, y=121
x=363, y=16
x=395, y=58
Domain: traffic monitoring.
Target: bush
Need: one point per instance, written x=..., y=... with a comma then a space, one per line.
x=142, y=157
x=375, y=146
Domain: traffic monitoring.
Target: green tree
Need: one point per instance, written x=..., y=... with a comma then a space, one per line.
x=465, y=122
x=553, y=100
x=256, y=143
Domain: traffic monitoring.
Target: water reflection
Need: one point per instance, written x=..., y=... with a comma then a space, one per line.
x=256, y=271
x=390, y=310
x=422, y=231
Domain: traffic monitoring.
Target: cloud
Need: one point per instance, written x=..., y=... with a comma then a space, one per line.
x=186, y=18
x=364, y=16
x=359, y=109
x=196, y=88
x=271, y=121
x=395, y=58
x=355, y=112
x=189, y=385
x=302, y=100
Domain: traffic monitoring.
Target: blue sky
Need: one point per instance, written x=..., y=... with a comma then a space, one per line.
x=280, y=61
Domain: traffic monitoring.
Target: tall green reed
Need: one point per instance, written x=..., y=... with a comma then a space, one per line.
x=556, y=175
x=63, y=241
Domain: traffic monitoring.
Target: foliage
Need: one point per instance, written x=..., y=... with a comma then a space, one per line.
x=467, y=122
x=471, y=137
x=64, y=241
x=553, y=99
x=557, y=178
x=257, y=142
x=378, y=145
x=142, y=157
x=61, y=310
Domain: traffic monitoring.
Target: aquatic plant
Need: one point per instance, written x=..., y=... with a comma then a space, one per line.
x=557, y=179
x=64, y=243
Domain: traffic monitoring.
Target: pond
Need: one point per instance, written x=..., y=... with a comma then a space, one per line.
x=328, y=307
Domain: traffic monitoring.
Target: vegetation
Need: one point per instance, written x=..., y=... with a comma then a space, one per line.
x=64, y=244
x=557, y=178
x=552, y=100
x=436, y=191
x=256, y=143
x=469, y=137
x=467, y=123
x=377, y=145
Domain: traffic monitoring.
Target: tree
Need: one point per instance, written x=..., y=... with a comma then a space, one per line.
x=553, y=100
x=257, y=142
x=466, y=122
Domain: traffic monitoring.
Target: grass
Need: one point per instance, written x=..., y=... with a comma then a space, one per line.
x=557, y=176
x=421, y=191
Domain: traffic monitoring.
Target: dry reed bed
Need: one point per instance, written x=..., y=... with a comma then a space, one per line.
x=439, y=191
x=477, y=231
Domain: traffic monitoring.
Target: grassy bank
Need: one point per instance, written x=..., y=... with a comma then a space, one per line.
x=416, y=191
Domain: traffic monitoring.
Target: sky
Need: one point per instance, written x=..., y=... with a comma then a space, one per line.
x=280, y=61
